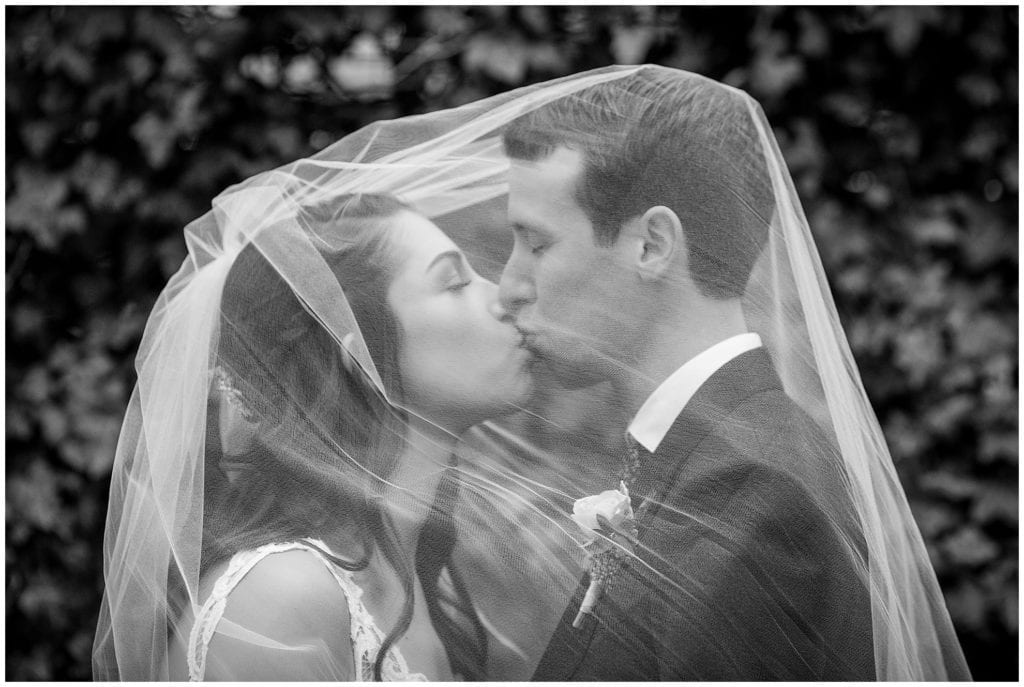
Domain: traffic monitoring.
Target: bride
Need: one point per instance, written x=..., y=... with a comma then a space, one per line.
x=324, y=542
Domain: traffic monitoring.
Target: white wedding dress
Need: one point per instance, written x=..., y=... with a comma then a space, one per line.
x=366, y=637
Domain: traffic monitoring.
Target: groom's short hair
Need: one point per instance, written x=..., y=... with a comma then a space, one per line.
x=664, y=137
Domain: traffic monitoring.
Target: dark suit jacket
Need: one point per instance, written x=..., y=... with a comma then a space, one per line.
x=757, y=555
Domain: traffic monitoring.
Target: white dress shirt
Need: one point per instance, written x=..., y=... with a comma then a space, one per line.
x=658, y=413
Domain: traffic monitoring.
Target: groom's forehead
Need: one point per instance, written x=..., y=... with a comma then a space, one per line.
x=552, y=178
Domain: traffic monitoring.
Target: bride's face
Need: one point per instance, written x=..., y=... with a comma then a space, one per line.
x=461, y=361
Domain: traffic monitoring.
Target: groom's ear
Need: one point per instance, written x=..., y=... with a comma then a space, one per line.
x=661, y=242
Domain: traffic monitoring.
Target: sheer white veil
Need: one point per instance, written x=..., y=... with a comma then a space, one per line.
x=518, y=550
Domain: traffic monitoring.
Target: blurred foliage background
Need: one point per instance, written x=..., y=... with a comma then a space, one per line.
x=899, y=125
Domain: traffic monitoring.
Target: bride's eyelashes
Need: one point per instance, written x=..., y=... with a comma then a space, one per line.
x=452, y=272
x=458, y=279
x=459, y=286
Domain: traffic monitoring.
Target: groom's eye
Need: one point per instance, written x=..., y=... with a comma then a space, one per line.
x=529, y=237
x=539, y=242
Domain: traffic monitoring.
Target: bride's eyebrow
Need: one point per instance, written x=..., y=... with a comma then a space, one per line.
x=453, y=255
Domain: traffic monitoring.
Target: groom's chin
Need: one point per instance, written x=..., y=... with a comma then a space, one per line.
x=558, y=373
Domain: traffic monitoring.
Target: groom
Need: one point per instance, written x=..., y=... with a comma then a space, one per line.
x=639, y=208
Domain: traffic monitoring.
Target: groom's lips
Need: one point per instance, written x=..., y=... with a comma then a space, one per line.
x=526, y=340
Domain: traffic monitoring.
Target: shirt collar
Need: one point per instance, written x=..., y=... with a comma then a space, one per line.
x=658, y=413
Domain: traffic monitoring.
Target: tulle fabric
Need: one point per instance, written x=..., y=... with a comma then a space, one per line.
x=517, y=555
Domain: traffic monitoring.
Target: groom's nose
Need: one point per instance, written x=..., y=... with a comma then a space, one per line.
x=515, y=289
x=494, y=306
x=498, y=311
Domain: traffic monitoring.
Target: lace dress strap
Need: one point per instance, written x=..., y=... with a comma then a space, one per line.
x=366, y=637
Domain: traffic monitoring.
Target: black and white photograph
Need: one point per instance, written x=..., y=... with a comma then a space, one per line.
x=549, y=343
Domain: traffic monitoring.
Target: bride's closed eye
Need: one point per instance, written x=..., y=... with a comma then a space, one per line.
x=455, y=274
x=458, y=283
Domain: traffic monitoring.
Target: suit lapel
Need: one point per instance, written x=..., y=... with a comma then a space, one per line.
x=740, y=378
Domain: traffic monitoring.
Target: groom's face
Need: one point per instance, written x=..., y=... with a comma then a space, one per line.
x=566, y=293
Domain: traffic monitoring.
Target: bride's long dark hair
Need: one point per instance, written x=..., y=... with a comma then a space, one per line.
x=323, y=436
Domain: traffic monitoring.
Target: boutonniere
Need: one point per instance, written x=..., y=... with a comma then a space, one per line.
x=608, y=519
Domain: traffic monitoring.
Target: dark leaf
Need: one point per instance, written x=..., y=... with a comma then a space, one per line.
x=998, y=503
x=968, y=546
x=33, y=497
x=501, y=58
x=156, y=136
x=953, y=487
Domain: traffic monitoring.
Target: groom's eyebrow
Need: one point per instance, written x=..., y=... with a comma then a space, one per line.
x=453, y=255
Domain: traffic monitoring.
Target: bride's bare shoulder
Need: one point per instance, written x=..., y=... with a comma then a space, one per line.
x=288, y=608
x=293, y=581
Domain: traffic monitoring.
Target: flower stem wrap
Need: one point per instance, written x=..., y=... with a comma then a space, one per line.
x=608, y=518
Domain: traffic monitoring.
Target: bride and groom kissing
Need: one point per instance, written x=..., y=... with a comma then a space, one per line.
x=316, y=533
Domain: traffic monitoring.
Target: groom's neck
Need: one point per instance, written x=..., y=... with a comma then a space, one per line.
x=675, y=338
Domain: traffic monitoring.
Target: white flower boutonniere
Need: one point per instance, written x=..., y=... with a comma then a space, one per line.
x=608, y=518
